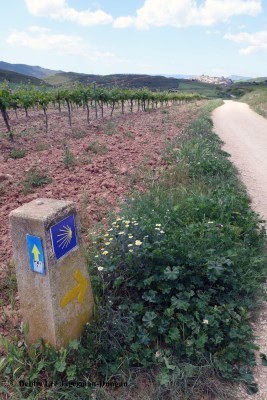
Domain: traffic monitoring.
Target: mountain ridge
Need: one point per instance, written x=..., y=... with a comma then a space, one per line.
x=30, y=70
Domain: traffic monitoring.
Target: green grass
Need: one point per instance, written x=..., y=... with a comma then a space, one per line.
x=97, y=148
x=35, y=178
x=176, y=278
x=68, y=158
x=17, y=153
x=257, y=101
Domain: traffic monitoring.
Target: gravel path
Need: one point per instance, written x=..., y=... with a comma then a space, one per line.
x=245, y=136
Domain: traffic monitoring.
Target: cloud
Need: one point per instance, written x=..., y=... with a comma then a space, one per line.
x=123, y=22
x=255, y=42
x=59, y=9
x=39, y=29
x=38, y=38
x=68, y=44
x=183, y=13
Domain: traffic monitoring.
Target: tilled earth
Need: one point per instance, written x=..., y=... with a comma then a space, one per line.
x=106, y=160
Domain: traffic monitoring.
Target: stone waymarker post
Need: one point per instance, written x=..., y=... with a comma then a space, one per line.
x=54, y=287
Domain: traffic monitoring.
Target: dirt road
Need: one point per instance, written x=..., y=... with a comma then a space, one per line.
x=245, y=135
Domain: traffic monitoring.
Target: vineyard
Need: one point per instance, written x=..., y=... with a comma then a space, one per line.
x=94, y=101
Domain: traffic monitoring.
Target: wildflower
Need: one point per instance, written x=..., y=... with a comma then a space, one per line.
x=158, y=225
x=136, y=223
x=127, y=222
x=205, y=321
x=130, y=245
x=111, y=229
x=146, y=236
x=96, y=256
x=105, y=253
x=121, y=233
x=110, y=239
x=157, y=229
x=158, y=354
x=117, y=219
x=102, y=249
x=106, y=235
x=130, y=251
x=127, y=226
x=138, y=242
x=210, y=222
x=130, y=236
x=100, y=268
x=107, y=243
x=162, y=232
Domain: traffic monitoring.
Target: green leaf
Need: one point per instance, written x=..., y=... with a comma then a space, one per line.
x=71, y=372
x=173, y=335
x=148, y=318
x=252, y=388
x=164, y=378
x=60, y=365
x=172, y=273
x=150, y=296
x=118, y=281
x=180, y=304
x=74, y=344
x=263, y=359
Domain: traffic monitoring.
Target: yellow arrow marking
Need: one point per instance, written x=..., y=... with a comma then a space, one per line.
x=76, y=292
x=36, y=253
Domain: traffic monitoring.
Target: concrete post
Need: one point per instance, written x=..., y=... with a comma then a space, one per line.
x=53, y=283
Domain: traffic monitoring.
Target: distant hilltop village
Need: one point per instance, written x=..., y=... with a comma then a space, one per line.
x=214, y=79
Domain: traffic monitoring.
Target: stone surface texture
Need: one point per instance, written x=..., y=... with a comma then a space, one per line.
x=40, y=295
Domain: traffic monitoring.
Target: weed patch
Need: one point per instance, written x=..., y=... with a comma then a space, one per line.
x=35, y=178
x=68, y=158
x=78, y=134
x=17, y=153
x=110, y=128
x=41, y=146
x=97, y=148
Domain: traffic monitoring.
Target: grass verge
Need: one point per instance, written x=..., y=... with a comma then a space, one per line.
x=257, y=100
x=176, y=277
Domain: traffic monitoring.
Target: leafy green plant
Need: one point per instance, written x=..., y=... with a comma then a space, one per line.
x=41, y=146
x=68, y=158
x=110, y=128
x=35, y=178
x=182, y=269
x=17, y=153
x=78, y=134
x=97, y=148
x=129, y=134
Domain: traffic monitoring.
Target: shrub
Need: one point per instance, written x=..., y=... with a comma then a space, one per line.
x=97, y=148
x=35, y=178
x=17, y=153
x=68, y=158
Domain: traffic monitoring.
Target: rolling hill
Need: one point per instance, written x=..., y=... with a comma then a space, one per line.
x=20, y=79
x=133, y=81
x=35, y=71
x=26, y=74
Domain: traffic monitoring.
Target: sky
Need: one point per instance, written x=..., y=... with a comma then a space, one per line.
x=194, y=37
